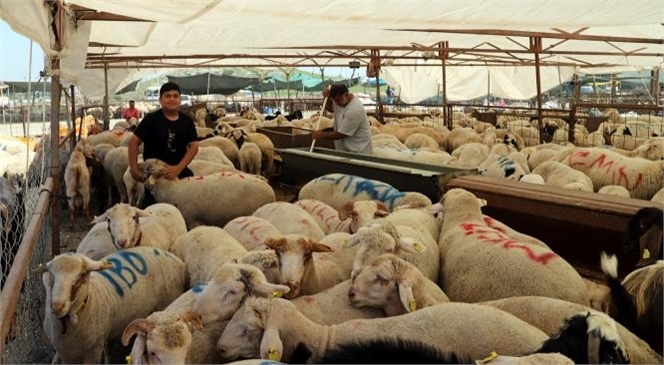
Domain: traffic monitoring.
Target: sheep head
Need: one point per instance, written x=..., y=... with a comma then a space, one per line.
x=160, y=343
x=123, y=224
x=152, y=169
x=386, y=284
x=362, y=212
x=229, y=287
x=253, y=332
x=266, y=261
x=378, y=238
x=295, y=254
x=65, y=278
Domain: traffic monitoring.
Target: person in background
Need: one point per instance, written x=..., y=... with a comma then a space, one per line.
x=131, y=112
x=390, y=94
x=169, y=135
x=351, y=130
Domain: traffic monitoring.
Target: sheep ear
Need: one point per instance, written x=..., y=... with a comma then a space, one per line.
x=271, y=290
x=137, y=351
x=191, y=319
x=275, y=243
x=92, y=265
x=382, y=209
x=139, y=326
x=346, y=211
x=406, y=296
x=99, y=219
x=410, y=245
x=271, y=346
x=319, y=247
x=142, y=213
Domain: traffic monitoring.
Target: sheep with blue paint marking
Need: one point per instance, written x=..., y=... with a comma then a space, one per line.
x=641, y=177
x=89, y=302
x=472, y=250
x=213, y=199
x=338, y=189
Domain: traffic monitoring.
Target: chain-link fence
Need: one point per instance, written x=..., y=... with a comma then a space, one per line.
x=25, y=242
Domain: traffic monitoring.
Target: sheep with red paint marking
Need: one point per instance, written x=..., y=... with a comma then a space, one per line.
x=228, y=147
x=471, y=251
x=251, y=231
x=349, y=219
x=208, y=200
x=290, y=219
x=89, y=302
x=641, y=177
x=395, y=286
x=338, y=189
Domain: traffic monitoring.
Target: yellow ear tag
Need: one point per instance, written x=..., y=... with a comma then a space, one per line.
x=277, y=294
x=489, y=358
x=152, y=180
x=128, y=359
x=418, y=247
x=646, y=253
x=412, y=305
x=273, y=354
x=344, y=243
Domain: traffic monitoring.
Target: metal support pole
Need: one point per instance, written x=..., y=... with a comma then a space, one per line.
x=375, y=62
x=56, y=91
x=444, y=55
x=656, y=88
x=72, y=141
x=536, y=47
x=107, y=120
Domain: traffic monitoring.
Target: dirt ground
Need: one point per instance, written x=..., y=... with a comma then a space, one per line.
x=72, y=234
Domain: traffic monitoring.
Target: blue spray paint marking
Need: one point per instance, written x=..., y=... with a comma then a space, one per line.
x=124, y=271
x=198, y=288
x=507, y=165
x=376, y=190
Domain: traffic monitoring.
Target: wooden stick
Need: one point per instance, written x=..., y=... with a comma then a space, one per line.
x=313, y=141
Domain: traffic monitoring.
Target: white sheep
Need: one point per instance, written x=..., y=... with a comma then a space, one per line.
x=458, y=137
x=113, y=137
x=419, y=140
x=652, y=149
x=470, y=155
x=499, y=166
x=615, y=190
x=539, y=156
x=419, y=219
x=116, y=163
x=212, y=154
x=159, y=225
x=77, y=183
x=395, y=286
x=290, y=219
x=561, y=175
x=659, y=196
x=471, y=250
x=203, y=168
x=213, y=199
x=89, y=302
x=97, y=243
x=304, y=267
x=338, y=189
x=228, y=147
x=204, y=249
x=272, y=328
x=424, y=156
x=381, y=236
x=135, y=189
x=250, y=158
x=332, y=306
x=251, y=231
x=533, y=179
x=641, y=177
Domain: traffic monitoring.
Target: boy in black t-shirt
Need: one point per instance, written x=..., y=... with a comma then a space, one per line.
x=168, y=135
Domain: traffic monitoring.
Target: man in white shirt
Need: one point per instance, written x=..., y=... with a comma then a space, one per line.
x=352, y=131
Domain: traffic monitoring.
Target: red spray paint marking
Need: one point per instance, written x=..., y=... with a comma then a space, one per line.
x=231, y=173
x=618, y=176
x=490, y=222
x=253, y=233
x=493, y=236
x=601, y=162
x=581, y=154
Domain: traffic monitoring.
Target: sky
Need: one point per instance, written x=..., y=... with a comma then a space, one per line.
x=15, y=56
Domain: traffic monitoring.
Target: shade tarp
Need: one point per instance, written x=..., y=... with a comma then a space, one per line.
x=208, y=83
x=240, y=28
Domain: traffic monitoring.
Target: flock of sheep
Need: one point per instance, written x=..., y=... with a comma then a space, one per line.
x=354, y=270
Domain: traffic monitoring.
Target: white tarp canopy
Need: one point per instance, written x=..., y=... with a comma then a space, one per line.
x=268, y=28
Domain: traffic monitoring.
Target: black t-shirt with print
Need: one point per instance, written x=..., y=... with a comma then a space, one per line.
x=165, y=139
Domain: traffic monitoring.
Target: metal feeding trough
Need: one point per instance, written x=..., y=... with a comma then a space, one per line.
x=300, y=166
